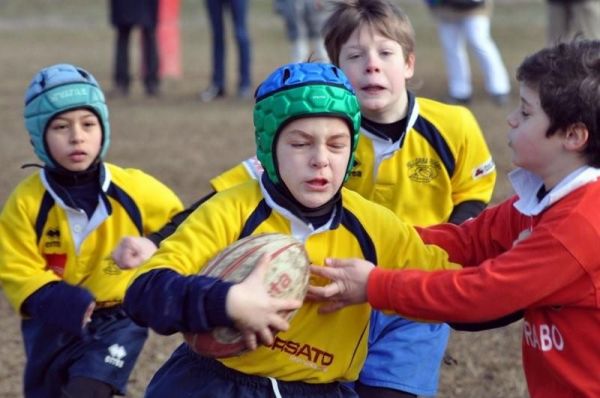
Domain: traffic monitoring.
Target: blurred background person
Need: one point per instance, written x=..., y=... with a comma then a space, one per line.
x=568, y=19
x=463, y=23
x=303, y=22
x=239, y=14
x=125, y=15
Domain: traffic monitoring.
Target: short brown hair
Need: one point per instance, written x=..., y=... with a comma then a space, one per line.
x=383, y=16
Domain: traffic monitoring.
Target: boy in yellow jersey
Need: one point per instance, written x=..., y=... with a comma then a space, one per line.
x=426, y=161
x=57, y=230
x=307, y=122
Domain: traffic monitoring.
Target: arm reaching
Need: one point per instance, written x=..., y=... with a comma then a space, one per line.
x=132, y=251
x=348, y=284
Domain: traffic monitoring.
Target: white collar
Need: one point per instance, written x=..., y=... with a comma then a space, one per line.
x=526, y=185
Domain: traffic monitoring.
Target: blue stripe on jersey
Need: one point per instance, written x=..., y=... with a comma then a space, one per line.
x=437, y=142
x=260, y=214
x=128, y=204
x=42, y=217
x=353, y=225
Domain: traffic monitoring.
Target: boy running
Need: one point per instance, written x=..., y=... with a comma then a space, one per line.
x=426, y=161
x=307, y=122
x=58, y=228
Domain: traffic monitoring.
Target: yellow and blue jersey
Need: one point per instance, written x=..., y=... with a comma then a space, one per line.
x=44, y=240
x=318, y=348
x=441, y=161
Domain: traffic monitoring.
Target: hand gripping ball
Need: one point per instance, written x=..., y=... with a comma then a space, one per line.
x=286, y=277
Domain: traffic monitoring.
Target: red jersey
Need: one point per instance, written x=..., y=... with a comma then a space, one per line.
x=539, y=255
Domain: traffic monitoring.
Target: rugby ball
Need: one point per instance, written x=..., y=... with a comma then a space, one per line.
x=286, y=277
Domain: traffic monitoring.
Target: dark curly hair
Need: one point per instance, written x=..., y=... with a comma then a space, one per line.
x=567, y=78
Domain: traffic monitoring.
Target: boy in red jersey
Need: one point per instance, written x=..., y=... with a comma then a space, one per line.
x=535, y=251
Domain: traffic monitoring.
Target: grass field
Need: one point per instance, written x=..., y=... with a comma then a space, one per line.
x=184, y=142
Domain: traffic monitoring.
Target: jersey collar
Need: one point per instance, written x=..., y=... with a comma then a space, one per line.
x=526, y=185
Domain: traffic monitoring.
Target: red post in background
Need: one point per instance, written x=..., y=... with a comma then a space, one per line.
x=169, y=39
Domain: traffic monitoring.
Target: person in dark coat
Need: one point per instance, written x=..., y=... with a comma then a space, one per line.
x=216, y=10
x=124, y=16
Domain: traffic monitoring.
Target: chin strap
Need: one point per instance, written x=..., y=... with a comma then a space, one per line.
x=27, y=165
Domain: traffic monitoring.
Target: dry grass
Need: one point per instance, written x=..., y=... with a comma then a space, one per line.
x=184, y=143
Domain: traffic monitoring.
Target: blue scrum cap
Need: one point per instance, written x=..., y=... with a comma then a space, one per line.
x=60, y=88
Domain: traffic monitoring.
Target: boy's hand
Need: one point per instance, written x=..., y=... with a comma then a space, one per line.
x=348, y=283
x=132, y=251
x=255, y=313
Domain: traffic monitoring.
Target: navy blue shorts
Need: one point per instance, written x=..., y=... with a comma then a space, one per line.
x=187, y=374
x=106, y=353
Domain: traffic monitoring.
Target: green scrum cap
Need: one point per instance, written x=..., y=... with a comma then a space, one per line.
x=296, y=90
x=60, y=88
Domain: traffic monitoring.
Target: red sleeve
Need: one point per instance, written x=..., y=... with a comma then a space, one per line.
x=535, y=272
x=475, y=240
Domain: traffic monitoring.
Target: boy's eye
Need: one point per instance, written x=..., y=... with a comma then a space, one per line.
x=298, y=144
x=58, y=126
x=353, y=55
x=525, y=113
x=338, y=144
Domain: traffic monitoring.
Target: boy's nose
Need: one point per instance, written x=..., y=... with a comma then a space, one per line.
x=511, y=119
x=319, y=158
x=77, y=134
x=372, y=64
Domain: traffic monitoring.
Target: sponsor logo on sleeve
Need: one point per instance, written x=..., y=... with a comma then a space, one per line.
x=484, y=169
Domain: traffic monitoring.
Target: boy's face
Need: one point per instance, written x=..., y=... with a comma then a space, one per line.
x=74, y=139
x=312, y=158
x=378, y=69
x=532, y=150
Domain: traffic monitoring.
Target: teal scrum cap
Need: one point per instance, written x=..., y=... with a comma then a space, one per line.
x=60, y=88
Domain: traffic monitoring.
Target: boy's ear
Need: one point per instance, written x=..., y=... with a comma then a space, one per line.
x=576, y=137
x=410, y=65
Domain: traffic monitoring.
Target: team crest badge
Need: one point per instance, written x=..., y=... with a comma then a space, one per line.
x=423, y=170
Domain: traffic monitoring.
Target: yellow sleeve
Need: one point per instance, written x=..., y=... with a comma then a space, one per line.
x=157, y=202
x=248, y=169
x=208, y=230
x=475, y=174
x=22, y=267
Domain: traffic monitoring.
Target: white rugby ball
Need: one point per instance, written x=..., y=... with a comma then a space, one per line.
x=287, y=277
